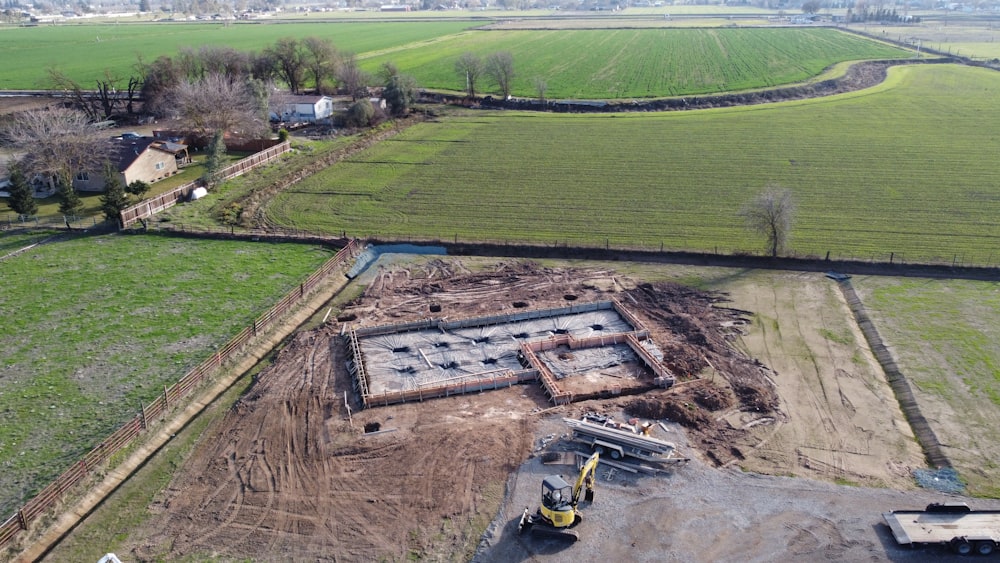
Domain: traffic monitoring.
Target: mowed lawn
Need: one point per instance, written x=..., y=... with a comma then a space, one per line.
x=638, y=63
x=945, y=336
x=83, y=52
x=906, y=169
x=95, y=326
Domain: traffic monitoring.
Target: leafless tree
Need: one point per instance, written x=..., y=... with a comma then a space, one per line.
x=500, y=67
x=263, y=67
x=321, y=60
x=226, y=61
x=215, y=103
x=353, y=80
x=59, y=143
x=159, y=78
x=770, y=213
x=112, y=94
x=289, y=61
x=541, y=88
x=469, y=67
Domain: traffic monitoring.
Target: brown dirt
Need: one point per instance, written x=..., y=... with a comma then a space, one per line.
x=288, y=472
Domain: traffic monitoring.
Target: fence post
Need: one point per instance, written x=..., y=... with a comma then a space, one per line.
x=166, y=401
x=142, y=414
x=21, y=519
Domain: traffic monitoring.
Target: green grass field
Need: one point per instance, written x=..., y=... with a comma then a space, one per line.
x=591, y=63
x=904, y=168
x=944, y=334
x=97, y=325
x=639, y=63
x=84, y=52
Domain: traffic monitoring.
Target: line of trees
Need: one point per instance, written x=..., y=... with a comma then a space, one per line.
x=211, y=91
x=498, y=67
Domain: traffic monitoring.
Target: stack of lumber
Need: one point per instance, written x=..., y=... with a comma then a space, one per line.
x=645, y=444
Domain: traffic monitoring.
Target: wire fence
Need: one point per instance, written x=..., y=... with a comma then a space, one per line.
x=172, y=396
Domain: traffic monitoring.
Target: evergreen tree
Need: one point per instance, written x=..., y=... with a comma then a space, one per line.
x=399, y=93
x=138, y=188
x=70, y=204
x=215, y=161
x=114, y=198
x=22, y=197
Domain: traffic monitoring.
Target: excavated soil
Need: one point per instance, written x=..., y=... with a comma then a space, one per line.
x=291, y=474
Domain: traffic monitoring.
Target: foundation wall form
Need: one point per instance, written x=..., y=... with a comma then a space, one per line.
x=536, y=369
x=470, y=384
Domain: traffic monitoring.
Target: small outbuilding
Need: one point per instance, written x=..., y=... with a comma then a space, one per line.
x=303, y=108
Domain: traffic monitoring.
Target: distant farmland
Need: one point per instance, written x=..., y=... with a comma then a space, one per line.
x=83, y=52
x=906, y=168
x=594, y=63
x=641, y=63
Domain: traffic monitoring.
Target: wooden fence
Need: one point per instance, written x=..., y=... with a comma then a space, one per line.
x=152, y=206
x=51, y=495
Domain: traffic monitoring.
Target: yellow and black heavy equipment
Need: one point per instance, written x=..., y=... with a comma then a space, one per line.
x=559, y=512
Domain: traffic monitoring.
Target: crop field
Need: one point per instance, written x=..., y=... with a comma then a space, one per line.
x=904, y=168
x=639, y=63
x=968, y=38
x=83, y=52
x=944, y=335
x=95, y=326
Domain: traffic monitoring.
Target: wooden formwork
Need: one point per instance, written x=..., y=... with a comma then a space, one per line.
x=535, y=368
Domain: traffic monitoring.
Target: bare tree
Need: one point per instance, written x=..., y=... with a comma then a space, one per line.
x=216, y=103
x=469, y=68
x=320, y=57
x=59, y=143
x=263, y=67
x=352, y=79
x=770, y=213
x=289, y=61
x=541, y=88
x=500, y=67
x=233, y=64
x=159, y=79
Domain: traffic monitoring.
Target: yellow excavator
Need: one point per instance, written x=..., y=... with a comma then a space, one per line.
x=558, y=513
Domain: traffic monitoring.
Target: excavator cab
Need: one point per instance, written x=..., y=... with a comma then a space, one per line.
x=556, y=493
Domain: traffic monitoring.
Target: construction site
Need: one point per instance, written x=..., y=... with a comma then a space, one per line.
x=421, y=420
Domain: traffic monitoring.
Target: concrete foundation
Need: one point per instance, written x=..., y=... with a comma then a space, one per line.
x=586, y=350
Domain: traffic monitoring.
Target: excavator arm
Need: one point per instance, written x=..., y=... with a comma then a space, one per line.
x=586, y=479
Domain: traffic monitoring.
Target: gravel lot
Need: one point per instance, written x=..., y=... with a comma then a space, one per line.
x=700, y=513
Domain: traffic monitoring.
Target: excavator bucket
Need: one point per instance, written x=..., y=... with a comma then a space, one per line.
x=525, y=524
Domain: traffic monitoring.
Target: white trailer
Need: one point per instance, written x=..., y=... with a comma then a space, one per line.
x=953, y=525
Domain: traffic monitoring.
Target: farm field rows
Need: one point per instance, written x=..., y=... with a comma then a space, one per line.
x=639, y=63
x=904, y=169
x=944, y=335
x=84, y=52
x=95, y=326
x=968, y=38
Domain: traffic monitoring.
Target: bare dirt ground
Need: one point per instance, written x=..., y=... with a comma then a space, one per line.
x=289, y=476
